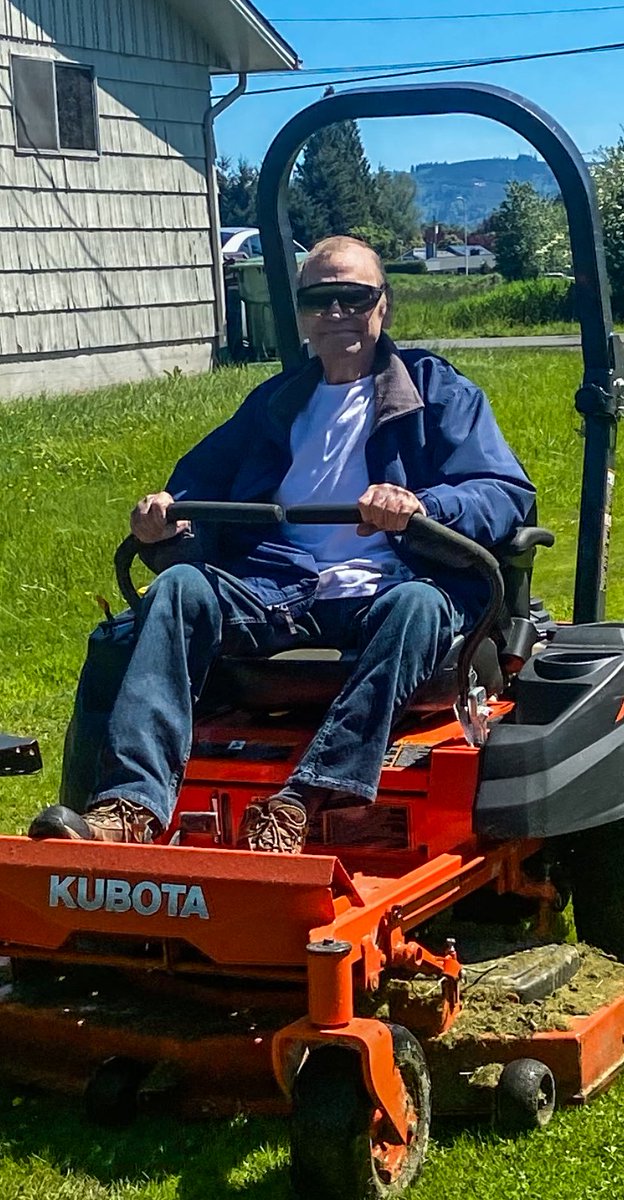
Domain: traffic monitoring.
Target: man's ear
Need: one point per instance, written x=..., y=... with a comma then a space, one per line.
x=389, y=313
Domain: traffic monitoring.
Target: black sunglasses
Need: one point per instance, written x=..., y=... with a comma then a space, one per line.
x=350, y=297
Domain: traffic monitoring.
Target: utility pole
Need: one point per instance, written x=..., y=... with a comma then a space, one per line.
x=463, y=200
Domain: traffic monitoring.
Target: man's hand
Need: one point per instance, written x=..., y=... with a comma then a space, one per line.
x=148, y=520
x=388, y=507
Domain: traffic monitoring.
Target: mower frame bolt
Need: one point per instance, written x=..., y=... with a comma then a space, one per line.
x=395, y=916
x=329, y=946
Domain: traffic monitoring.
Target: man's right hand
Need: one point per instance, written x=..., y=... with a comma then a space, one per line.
x=148, y=519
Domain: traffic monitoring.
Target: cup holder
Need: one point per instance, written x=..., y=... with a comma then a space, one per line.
x=571, y=664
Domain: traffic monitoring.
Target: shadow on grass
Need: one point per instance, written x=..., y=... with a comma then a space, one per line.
x=217, y=1159
x=213, y=1159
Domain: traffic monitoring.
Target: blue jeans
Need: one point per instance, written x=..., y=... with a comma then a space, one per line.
x=190, y=615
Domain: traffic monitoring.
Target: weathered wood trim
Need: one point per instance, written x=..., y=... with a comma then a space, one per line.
x=144, y=28
x=89, y=291
x=60, y=332
x=123, y=116
x=93, y=249
x=60, y=173
x=53, y=211
x=152, y=139
x=115, y=67
x=7, y=127
x=103, y=368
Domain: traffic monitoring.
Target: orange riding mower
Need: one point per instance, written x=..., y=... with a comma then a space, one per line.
x=339, y=984
x=217, y=977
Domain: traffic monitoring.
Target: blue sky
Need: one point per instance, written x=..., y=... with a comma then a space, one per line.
x=584, y=93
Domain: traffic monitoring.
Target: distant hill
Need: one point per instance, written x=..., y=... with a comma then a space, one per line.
x=481, y=180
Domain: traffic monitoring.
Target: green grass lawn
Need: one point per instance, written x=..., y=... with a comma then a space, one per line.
x=70, y=469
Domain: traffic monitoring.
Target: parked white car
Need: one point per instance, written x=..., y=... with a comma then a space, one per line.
x=240, y=242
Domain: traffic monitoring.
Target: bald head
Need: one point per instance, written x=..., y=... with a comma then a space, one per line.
x=344, y=339
x=348, y=253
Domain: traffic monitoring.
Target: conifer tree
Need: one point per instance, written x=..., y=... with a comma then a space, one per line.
x=332, y=185
x=395, y=208
x=237, y=192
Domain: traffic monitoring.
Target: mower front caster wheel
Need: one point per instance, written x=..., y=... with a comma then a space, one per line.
x=525, y=1096
x=111, y=1095
x=342, y=1148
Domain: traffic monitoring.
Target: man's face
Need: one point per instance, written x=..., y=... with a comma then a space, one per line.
x=335, y=335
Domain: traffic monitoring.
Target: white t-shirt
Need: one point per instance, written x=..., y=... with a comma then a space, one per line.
x=327, y=442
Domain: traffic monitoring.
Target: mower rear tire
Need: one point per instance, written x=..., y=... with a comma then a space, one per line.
x=111, y=1095
x=595, y=863
x=342, y=1148
x=525, y=1096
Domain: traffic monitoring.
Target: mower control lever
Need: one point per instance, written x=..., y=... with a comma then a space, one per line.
x=215, y=511
x=426, y=537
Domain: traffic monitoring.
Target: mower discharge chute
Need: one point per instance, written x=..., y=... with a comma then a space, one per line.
x=321, y=982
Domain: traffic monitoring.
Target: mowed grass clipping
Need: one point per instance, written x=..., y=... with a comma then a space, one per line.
x=70, y=470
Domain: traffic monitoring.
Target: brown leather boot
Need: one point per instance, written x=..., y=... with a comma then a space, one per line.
x=273, y=825
x=112, y=821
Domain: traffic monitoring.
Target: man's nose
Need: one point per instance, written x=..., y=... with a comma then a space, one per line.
x=334, y=309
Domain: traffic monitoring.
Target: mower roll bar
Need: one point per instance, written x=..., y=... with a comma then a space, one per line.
x=427, y=538
x=599, y=396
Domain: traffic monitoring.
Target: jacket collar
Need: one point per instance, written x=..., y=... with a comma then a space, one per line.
x=395, y=391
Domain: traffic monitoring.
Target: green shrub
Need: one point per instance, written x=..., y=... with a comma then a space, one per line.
x=439, y=289
x=531, y=305
x=411, y=266
x=525, y=302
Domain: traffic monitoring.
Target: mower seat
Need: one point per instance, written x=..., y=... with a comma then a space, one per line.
x=312, y=678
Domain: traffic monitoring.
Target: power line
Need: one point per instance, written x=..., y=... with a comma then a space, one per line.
x=451, y=62
x=433, y=68
x=479, y=16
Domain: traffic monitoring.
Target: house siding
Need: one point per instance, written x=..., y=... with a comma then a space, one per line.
x=109, y=253
x=146, y=28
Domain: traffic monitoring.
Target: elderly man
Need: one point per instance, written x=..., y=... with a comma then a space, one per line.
x=398, y=433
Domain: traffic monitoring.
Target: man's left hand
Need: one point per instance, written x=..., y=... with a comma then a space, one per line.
x=387, y=507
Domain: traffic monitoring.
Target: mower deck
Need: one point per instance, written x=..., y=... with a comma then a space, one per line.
x=192, y=1041
x=202, y=952
x=584, y=1060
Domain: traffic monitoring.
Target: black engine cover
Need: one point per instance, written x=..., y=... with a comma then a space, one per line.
x=555, y=765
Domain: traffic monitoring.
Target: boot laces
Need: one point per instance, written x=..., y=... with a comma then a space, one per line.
x=135, y=822
x=277, y=827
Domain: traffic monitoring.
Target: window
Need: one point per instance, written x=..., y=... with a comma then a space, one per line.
x=253, y=245
x=54, y=105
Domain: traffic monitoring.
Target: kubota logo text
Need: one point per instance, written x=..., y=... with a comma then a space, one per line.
x=119, y=896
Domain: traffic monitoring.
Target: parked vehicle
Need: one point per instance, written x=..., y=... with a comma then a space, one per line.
x=243, y=241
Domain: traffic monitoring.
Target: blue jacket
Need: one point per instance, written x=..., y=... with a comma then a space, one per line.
x=434, y=433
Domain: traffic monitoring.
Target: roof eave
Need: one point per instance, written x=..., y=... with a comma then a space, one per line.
x=242, y=41
x=288, y=59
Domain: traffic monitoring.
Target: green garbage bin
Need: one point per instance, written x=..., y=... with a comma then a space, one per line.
x=260, y=331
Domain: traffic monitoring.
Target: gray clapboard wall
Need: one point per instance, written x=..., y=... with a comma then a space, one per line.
x=106, y=259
